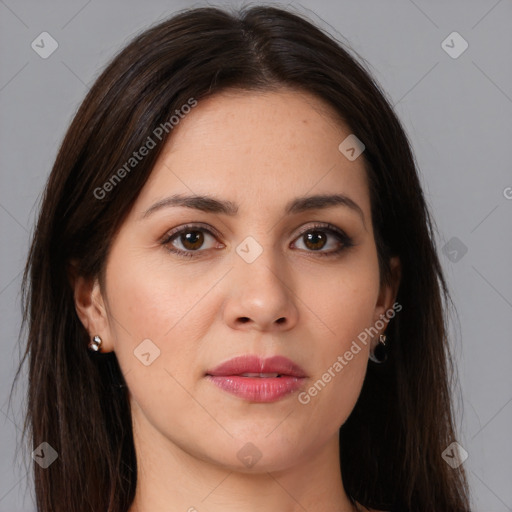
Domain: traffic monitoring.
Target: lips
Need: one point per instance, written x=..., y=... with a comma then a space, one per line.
x=255, y=365
x=257, y=379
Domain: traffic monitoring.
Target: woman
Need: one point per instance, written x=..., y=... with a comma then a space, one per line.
x=233, y=296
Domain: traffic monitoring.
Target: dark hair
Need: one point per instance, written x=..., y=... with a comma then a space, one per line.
x=391, y=445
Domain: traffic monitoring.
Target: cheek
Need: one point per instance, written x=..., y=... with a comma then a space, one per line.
x=344, y=300
x=343, y=305
x=163, y=304
x=151, y=299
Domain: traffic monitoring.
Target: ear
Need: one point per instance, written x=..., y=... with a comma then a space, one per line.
x=90, y=306
x=389, y=291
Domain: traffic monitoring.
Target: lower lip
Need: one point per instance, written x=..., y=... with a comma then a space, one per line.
x=258, y=389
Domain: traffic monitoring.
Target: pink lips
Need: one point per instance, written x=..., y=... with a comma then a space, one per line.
x=257, y=379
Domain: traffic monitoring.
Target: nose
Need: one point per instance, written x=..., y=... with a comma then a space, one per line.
x=261, y=296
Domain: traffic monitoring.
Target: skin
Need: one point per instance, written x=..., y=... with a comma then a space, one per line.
x=259, y=151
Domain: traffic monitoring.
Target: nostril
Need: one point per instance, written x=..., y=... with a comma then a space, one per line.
x=244, y=319
x=281, y=320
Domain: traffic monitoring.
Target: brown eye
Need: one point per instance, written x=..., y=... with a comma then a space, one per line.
x=189, y=240
x=315, y=240
x=192, y=240
x=321, y=237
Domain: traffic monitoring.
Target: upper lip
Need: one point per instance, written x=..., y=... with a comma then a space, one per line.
x=255, y=364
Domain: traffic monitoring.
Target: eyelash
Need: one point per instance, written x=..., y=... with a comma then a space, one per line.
x=346, y=241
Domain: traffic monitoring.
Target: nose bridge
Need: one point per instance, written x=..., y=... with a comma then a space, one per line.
x=263, y=291
x=261, y=265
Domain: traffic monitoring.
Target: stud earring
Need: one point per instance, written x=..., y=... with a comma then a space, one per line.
x=380, y=353
x=95, y=344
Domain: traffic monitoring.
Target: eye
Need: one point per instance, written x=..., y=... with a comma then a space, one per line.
x=318, y=237
x=191, y=238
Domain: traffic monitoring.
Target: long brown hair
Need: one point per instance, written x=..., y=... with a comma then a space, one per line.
x=391, y=445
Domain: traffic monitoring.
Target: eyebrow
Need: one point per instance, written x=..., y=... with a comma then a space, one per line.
x=210, y=204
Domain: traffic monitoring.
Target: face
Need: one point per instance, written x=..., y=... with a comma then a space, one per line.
x=255, y=271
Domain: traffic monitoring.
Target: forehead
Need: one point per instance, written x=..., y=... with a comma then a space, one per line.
x=257, y=147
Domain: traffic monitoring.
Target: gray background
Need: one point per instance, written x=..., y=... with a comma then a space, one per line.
x=457, y=112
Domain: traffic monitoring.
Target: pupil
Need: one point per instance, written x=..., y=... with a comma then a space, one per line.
x=315, y=237
x=193, y=240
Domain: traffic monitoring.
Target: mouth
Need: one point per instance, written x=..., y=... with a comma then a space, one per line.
x=255, y=379
x=261, y=375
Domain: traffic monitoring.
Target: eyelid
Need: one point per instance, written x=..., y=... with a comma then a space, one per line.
x=322, y=225
x=193, y=225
